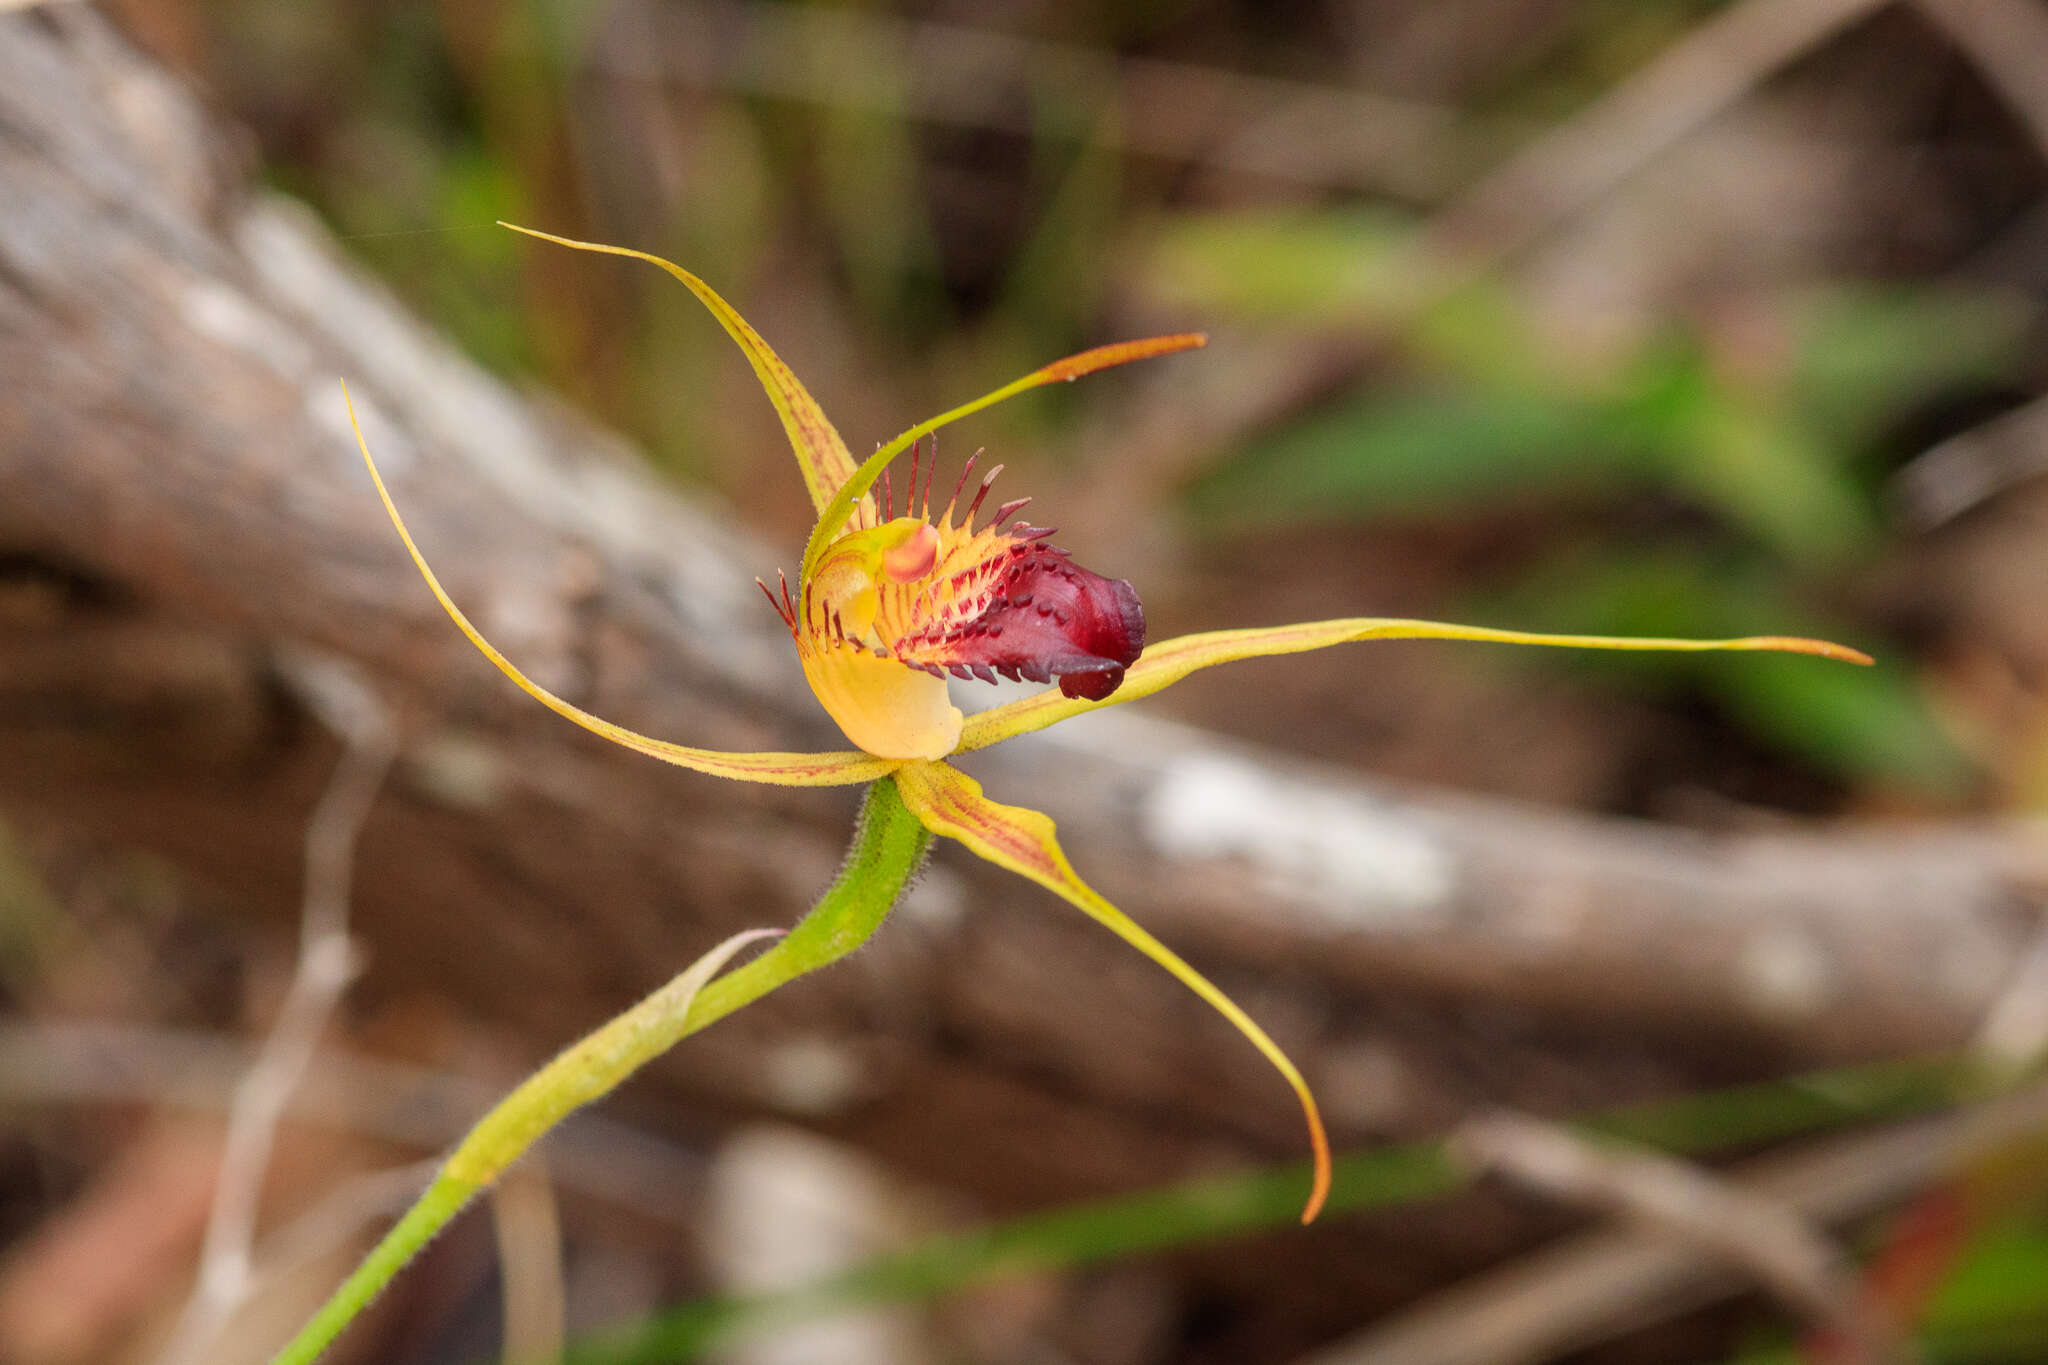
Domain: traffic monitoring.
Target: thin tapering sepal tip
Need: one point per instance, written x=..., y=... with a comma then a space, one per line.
x=1168, y=661
x=1064, y=370
x=1319, y=1189
x=821, y=455
x=1823, y=649
x=951, y=803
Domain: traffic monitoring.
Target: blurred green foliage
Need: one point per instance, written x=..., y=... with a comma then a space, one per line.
x=1990, y=1308
x=1733, y=458
x=1211, y=1209
x=1482, y=411
x=30, y=917
x=1770, y=429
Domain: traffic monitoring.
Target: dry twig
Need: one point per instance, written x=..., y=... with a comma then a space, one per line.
x=1597, y=1285
x=2013, y=1038
x=1685, y=1201
x=338, y=1216
x=1559, y=174
x=529, y=1233
x=2007, y=41
x=327, y=961
x=1957, y=474
x=1585, y=158
x=972, y=77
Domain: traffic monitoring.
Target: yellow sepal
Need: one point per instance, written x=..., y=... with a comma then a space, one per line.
x=820, y=454
x=790, y=770
x=950, y=803
x=1167, y=662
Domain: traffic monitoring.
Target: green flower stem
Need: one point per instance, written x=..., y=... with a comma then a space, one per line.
x=888, y=848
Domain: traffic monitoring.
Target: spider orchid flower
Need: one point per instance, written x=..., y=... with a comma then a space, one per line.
x=887, y=604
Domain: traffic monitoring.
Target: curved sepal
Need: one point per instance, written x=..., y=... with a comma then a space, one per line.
x=790, y=770
x=1064, y=371
x=820, y=454
x=1167, y=662
x=950, y=803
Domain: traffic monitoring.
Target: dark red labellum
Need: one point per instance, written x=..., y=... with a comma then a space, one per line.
x=1052, y=618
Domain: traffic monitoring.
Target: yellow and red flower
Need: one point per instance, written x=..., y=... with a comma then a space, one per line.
x=890, y=610
x=886, y=606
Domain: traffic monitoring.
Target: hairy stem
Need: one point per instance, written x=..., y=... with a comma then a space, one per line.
x=888, y=848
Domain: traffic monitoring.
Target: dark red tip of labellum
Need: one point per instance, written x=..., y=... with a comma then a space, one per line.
x=1049, y=617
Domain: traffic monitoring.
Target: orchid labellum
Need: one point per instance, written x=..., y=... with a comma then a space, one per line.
x=888, y=603
x=939, y=596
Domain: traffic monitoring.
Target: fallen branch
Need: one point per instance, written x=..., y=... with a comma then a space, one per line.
x=327, y=962
x=179, y=498
x=1686, y=1203
x=1598, y=1285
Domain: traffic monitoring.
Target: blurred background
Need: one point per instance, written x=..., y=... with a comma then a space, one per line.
x=1660, y=317
x=1482, y=342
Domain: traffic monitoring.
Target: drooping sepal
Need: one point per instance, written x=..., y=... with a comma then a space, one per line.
x=834, y=516
x=950, y=803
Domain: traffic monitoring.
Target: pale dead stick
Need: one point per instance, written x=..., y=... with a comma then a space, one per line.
x=326, y=964
x=339, y=1215
x=1558, y=175
x=2012, y=1040
x=1764, y=1237
x=529, y=1235
x=1696, y=78
x=407, y=1106
x=2007, y=41
x=1966, y=469
x=1595, y=1286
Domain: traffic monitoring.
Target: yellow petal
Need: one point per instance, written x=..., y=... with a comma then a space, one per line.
x=950, y=803
x=820, y=454
x=834, y=517
x=791, y=770
x=885, y=707
x=1167, y=662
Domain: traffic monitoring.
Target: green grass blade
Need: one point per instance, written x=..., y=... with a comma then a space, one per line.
x=1211, y=1209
